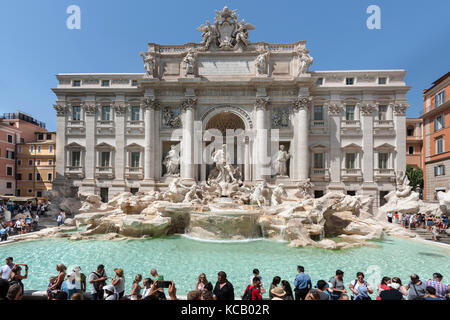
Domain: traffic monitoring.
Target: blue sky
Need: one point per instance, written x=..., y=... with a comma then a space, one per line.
x=36, y=45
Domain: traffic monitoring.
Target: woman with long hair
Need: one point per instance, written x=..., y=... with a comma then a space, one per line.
x=56, y=282
x=287, y=288
x=402, y=288
x=136, y=290
x=384, y=285
x=275, y=282
x=201, y=282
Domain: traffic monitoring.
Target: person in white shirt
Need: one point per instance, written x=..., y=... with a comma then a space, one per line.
x=147, y=287
x=5, y=271
x=110, y=293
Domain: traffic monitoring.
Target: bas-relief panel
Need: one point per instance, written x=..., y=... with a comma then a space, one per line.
x=226, y=66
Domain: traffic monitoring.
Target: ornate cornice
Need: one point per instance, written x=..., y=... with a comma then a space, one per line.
x=368, y=109
x=91, y=108
x=149, y=103
x=399, y=108
x=262, y=103
x=334, y=109
x=301, y=103
x=61, y=109
x=189, y=103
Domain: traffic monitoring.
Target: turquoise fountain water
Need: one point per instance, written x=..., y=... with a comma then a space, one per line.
x=182, y=260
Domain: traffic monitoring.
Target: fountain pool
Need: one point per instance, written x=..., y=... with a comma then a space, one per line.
x=182, y=260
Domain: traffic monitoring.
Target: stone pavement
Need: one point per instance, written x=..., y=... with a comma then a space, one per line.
x=444, y=237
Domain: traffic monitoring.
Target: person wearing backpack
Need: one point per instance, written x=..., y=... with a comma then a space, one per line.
x=252, y=292
x=337, y=285
x=98, y=280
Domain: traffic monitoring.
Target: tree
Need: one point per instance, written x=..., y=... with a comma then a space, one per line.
x=415, y=176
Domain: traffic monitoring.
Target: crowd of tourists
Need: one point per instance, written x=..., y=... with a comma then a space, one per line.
x=432, y=223
x=23, y=218
x=73, y=284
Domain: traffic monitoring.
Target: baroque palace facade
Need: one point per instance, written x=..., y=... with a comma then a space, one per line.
x=343, y=130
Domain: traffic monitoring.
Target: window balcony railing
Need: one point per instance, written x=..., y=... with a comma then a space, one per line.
x=384, y=123
x=350, y=124
x=351, y=174
x=134, y=172
x=74, y=172
x=319, y=171
x=384, y=174
x=105, y=123
x=384, y=171
x=104, y=172
x=75, y=123
x=318, y=124
x=135, y=123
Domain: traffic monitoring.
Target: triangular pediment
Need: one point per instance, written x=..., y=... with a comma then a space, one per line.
x=352, y=146
x=75, y=145
x=385, y=146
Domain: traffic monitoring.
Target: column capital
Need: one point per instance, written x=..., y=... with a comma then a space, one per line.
x=368, y=109
x=91, y=108
x=262, y=103
x=399, y=108
x=61, y=109
x=302, y=103
x=334, y=109
x=149, y=103
x=189, y=103
x=120, y=108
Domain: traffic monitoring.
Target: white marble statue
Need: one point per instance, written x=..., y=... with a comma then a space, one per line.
x=172, y=162
x=260, y=194
x=209, y=34
x=282, y=158
x=241, y=33
x=149, y=65
x=278, y=193
x=261, y=63
x=223, y=165
x=305, y=61
x=403, y=189
x=304, y=189
x=191, y=195
x=189, y=62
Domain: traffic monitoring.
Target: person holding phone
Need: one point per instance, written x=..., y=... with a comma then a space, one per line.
x=119, y=282
x=98, y=280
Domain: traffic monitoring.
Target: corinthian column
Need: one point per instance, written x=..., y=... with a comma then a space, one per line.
x=119, y=162
x=301, y=138
x=262, y=161
x=61, y=111
x=187, y=143
x=90, y=109
x=149, y=105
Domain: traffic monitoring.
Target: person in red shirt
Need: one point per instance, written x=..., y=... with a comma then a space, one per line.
x=253, y=291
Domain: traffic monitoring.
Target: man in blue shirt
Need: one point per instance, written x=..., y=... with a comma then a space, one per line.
x=302, y=284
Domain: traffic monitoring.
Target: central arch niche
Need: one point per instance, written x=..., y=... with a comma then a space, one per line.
x=224, y=121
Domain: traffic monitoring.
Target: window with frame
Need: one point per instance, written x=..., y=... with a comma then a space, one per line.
x=382, y=80
x=382, y=112
x=40, y=136
x=350, y=160
x=135, y=158
x=39, y=149
x=50, y=149
x=39, y=194
x=439, y=170
x=319, y=160
x=411, y=150
x=106, y=113
x=30, y=191
x=31, y=149
x=8, y=185
x=105, y=157
x=38, y=177
x=10, y=138
x=350, y=112
x=135, y=113
x=410, y=131
x=76, y=83
x=19, y=162
x=134, y=83
x=19, y=176
x=439, y=122
x=440, y=145
x=9, y=171
x=383, y=160
x=439, y=98
x=76, y=113
x=319, y=81
x=105, y=83
x=349, y=81
x=19, y=149
x=49, y=177
x=49, y=136
x=30, y=162
x=76, y=159
x=318, y=113
x=30, y=177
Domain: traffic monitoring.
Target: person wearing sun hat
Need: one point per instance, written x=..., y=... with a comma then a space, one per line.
x=119, y=282
x=278, y=293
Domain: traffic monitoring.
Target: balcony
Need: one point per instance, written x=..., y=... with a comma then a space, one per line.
x=105, y=127
x=384, y=174
x=104, y=172
x=318, y=126
x=75, y=127
x=134, y=173
x=383, y=127
x=320, y=174
x=74, y=172
x=351, y=127
x=135, y=127
x=351, y=174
